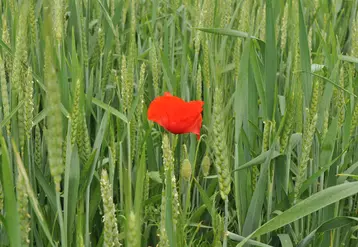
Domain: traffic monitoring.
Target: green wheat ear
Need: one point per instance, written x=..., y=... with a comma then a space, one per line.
x=33, y=23
x=58, y=14
x=124, y=81
x=22, y=200
x=154, y=63
x=83, y=140
x=133, y=231
x=284, y=27
x=220, y=146
x=20, y=56
x=4, y=95
x=76, y=115
x=199, y=18
x=168, y=163
x=84, y=42
x=163, y=236
x=54, y=118
x=38, y=150
x=199, y=84
x=111, y=235
x=7, y=58
x=354, y=37
x=206, y=65
x=29, y=104
x=304, y=158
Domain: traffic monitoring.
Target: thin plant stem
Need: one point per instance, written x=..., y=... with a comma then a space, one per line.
x=60, y=220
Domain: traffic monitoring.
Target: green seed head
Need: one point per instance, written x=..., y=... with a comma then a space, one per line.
x=206, y=66
x=163, y=237
x=76, y=116
x=124, y=80
x=155, y=68
x=284, y=27
x=22, y=200
x=266, y=135
x=133, y=231
x=304, y=158
x=199, y=84
x=58, y=14
x=84, y=41
x=6, y=39
x=4, y=94
x=111, y=235
x=354, y=45
x=38, y=150
x=29, y=105
x=33, y=22
x=83, y=140
x=54, y=118
x=20, y=56
x=220, y=146
x=168, y=162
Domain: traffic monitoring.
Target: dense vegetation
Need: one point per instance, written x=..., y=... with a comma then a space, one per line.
x=275, y=165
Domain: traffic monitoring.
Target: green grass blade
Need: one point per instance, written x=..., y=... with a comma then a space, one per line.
x=285, y=240
x=270, y=60
x=110, y=109
x=32, y=197
x=11, y=217
x=305, y=57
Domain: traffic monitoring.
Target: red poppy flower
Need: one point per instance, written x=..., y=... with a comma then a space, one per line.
x=176, y=115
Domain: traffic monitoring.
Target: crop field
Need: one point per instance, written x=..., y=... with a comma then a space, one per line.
x=178, y=123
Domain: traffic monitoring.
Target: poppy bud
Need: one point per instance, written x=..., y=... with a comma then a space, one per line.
x=205, y=165
x=185, y=171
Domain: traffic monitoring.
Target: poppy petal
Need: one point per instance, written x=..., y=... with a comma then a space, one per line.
x=176, y=115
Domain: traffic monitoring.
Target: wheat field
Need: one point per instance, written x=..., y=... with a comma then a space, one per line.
x=276, y=160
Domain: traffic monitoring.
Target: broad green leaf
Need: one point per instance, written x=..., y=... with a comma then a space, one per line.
x=226, y=31
x=305, y=207
x=258, y=160
x=347, y=172
x=327, y=226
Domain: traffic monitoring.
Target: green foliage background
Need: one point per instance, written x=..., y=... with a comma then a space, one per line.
x=82, y=166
